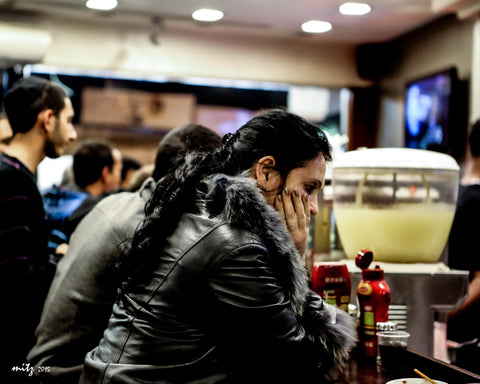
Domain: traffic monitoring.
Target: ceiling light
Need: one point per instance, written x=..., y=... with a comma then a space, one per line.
x=103, y=5
x=354, y=9
x=207, y=14
x=316, y=26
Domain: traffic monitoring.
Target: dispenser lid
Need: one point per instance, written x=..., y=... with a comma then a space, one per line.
x=364, y=258
x=401, y=158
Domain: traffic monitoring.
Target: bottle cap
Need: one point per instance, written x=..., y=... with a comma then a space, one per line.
x=373, y=274
x=364, y=258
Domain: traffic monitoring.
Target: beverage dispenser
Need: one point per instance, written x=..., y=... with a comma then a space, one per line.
x=397, y=202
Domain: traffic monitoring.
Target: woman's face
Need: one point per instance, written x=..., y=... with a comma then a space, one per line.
x=308, y=179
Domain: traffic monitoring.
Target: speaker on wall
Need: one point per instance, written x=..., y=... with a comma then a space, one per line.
x=374, y=60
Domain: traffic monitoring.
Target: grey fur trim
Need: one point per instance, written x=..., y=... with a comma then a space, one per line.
x=331, y=341
x=246, y=207
x=338, y=338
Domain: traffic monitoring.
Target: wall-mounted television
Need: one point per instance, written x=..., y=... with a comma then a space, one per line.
x=436, y=113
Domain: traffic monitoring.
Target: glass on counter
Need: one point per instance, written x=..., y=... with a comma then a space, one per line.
x=392, y=347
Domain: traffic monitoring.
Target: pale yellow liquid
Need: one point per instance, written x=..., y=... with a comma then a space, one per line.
x=404, y=234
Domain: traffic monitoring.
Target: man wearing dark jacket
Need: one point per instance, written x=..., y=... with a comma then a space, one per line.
x=40, y=115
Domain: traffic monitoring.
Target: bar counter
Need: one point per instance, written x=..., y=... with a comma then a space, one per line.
x=358, y=372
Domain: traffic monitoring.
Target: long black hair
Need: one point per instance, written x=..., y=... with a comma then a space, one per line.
x=290, y=139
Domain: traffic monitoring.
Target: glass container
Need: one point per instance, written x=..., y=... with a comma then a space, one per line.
x=398, y=202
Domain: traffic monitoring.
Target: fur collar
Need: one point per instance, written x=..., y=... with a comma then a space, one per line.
x=240, y=203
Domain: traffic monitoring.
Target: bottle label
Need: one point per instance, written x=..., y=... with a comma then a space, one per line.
x=369, y=323
x=369, y=319
x=332, y=283
x=364, y=289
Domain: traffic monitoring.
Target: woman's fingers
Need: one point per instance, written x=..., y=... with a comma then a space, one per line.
x=299, y=211
x=288, y=207
x=279, y=207
x=295, y=208
x=306, y=208
x=296, y=213
x=299, y=207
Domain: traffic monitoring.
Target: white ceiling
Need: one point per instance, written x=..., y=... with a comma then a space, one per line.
x=273, y=18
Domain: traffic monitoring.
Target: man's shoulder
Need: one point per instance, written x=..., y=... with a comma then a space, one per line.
x=121, y=203
x=119, y=212
x=14, y=179
x=9, y=167
x=60, y=203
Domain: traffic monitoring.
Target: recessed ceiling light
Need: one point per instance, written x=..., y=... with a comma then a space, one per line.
x=316, y=26
x=354, y=9
x=103, y=5
x=207, y=14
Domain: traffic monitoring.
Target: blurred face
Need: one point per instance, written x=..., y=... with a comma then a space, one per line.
x=308, y=180
x=114, y=177
x=62, y=133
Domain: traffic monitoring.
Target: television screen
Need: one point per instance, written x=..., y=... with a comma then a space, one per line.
x=428, y=111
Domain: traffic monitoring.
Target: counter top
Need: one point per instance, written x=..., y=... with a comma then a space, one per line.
x=362, y=373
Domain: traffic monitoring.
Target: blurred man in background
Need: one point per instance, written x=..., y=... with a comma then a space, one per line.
x=97, y=169
x=40, y=115
x=96, y=172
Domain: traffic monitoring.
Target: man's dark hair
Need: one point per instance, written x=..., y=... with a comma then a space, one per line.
x=129, y=163
x=28, y=97
x=89, y=160
x=190, y=137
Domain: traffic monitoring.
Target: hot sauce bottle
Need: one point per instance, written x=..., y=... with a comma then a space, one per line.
x=373, y=299
x=331, y=280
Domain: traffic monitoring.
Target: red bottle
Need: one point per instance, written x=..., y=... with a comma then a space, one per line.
x=373, y=299
x=331, y=281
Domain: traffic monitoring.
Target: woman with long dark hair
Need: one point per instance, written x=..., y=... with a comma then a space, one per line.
x=217, y=288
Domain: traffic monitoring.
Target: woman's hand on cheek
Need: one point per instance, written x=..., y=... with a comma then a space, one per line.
x=295, y=212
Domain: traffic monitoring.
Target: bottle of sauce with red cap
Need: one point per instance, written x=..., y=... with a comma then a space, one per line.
x=373, y=299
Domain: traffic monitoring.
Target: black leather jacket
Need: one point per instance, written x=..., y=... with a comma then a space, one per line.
x=227, y=302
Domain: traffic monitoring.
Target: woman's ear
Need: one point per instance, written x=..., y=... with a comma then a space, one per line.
x=264, y=169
